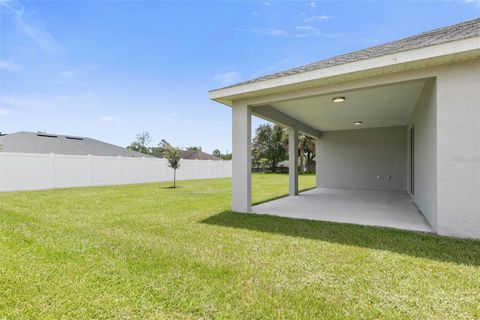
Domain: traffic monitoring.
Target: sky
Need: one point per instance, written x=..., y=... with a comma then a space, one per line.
x=112, y=69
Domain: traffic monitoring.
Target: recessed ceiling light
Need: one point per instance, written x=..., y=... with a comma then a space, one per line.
x=358, y=123
x=338, y=99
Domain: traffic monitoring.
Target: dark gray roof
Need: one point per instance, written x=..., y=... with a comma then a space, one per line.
x=455, y=32
x=33, y=142
x=198, y=155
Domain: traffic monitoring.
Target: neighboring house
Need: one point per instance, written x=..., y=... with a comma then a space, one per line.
x=40, y=142
x=193, y=155
x=198, y=155
x=399, y=117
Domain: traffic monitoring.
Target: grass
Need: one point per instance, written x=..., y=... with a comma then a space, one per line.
x=151, y=252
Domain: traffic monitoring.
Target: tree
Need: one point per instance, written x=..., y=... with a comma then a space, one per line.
x=159, y=150
x=194, y=148
x=217, y=153
x=141, y=143
x=309, y=149
x=173, y=156
x=227, y=156
x=268, y=143
x=263, y=164
x=306, y=151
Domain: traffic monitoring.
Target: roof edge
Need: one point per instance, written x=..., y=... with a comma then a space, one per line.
x=429, y=53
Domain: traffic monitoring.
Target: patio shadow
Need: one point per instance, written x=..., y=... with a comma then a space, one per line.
x=423, y=245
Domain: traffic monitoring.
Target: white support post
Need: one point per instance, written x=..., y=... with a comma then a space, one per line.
x=241, y=158
x=293, y=161
x=317, y=162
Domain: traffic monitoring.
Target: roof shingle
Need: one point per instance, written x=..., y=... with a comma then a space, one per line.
x=34, y=142
x=455, y=32
x=198, y=155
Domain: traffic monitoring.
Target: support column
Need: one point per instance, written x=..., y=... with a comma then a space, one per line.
x=317, y=161
x=457, y=179
x=241, y=158
x=293, y=161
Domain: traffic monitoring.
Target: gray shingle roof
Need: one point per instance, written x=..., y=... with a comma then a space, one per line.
x=455, y=32
x=32, y=142
x=197, y=154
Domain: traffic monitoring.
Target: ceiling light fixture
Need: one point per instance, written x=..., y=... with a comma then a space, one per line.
x=358, y=123
x=338, y=99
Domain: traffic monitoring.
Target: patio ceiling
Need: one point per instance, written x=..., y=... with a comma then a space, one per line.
x=380, y=106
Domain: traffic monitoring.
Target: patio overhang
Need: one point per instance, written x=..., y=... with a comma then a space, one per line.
x=375, y=106
x=425, y=57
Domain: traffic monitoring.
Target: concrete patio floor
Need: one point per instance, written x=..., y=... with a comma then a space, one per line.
x=393, y=209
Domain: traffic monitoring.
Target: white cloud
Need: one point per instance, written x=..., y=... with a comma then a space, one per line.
x=66, y=74
x=227, y=78
x=273, y=31
x=297, y=32
x=4, y=112
x=26, y=102
x=166, y=119
x=318, y=18
x=313, y=4
x=306, y=28
x=474, y=2
x=30, y=25
x=265, y=31
x=106, y=118
x=113, y=120
x=267, y=3
x=9, y=65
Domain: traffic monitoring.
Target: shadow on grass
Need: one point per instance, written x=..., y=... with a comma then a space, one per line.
x=280, y=196
x=410, y=243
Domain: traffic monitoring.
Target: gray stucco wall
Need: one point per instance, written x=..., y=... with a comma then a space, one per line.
x=458, y=149
x=354, y=159
x=424, y=120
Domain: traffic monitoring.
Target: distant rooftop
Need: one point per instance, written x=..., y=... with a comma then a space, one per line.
x=198, y=154
x=455, y=32
x=41, y=142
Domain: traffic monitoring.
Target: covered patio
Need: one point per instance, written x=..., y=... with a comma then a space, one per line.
x=394, y=209
x=395, y=128
x=364, y=159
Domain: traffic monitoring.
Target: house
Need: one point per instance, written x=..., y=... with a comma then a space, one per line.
x=198, y=155
x=192, y=155
x=40, y=142
x=397, y=130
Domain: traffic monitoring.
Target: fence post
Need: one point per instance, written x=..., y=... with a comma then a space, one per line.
x=209, y=165
x=220, y=169
x=195, y=168
x=52, y=170
x=89, y=159
x=1, y=172
x=119, y=170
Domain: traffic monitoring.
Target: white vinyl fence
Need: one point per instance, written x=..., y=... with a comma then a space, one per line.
x=31, y=171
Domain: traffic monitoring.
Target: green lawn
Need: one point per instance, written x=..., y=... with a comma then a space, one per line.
x=152, y=252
